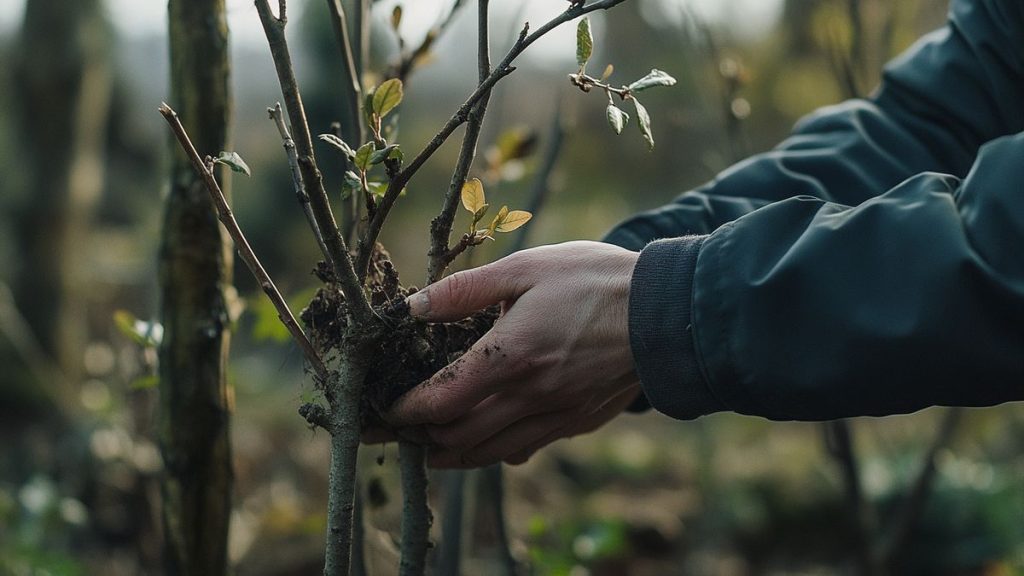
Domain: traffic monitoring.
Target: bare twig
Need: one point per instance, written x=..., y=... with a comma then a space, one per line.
x=408, y=60
x=361, y=35
x=503, y=69
x=839, y=441
x=277, y=116
x=913, y=505
x=352, y=93
x=416, y=515
x=441, y=226
x=337, y=249
x=858, y=44
x=227, y=218
x=449, y=554
x=492, y=481
x=351, y=129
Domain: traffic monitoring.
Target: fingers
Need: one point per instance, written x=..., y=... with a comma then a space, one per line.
x=495, y=449
x=486, y=419
x=517, y=443
x=463, y=293
x=453, y=391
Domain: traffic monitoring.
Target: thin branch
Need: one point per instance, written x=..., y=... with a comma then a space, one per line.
x=341, y=261
x=839, y=441
x=586, y=83
x=353, y=86
x=449, y=554
x=352, y=129
x=913, y=505
x=416, y=515
x=407, y=62
x=361, y=42
x=492, y=479
x=277, y=115
x=858, y=43
x=441, y=226
x=461, y=115
x=242, y=245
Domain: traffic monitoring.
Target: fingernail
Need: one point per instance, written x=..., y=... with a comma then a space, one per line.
x=419, y=304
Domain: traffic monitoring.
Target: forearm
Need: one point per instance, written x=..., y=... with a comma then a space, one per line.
x=812, y=310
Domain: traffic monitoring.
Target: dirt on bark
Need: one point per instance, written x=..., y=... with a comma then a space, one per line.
x=410, y=352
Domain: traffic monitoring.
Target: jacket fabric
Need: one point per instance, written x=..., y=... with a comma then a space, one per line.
x=872, y=264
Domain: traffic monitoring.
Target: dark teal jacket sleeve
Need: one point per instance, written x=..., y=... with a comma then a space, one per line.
x=868, y=265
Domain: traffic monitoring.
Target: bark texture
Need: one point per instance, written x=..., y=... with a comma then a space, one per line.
x=195, y=269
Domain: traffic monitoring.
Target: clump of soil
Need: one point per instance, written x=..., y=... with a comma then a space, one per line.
x=410, y=352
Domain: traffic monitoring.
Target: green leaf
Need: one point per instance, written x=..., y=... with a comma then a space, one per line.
x=513, y=220
x=397, y=154
x=377, y=188
x=234, y=161
x=350, y=184
x=362, y=157
x=339, y=144
x=644, y=120
x=396, y=17
x=473, y=198
x=383, y=154
x=479, y=214
x=654, y=78
x=147, y=334
x=368, y=106
x=497, y=220
x=387, y=96
x=617, y=119
x=515, y=144
x=584, y=43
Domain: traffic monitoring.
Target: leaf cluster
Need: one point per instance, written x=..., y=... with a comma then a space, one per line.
x=377, y=104
x=475, y=202
x=617, y=118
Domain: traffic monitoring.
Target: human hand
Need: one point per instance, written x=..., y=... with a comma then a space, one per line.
x=556, y=364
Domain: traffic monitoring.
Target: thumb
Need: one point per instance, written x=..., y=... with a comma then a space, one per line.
x=463, y=293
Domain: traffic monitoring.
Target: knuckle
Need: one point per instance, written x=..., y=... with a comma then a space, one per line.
x=436, y=407
x=459, y=287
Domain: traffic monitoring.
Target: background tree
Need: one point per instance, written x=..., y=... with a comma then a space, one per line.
x=62, y=69
x=195, y=276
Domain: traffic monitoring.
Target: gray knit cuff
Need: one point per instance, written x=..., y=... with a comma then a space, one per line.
x=624, y=238
x=660, y=332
